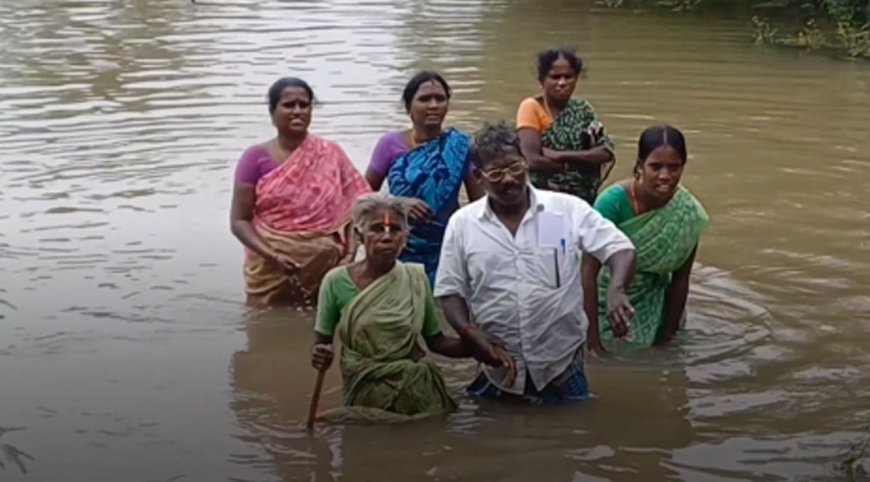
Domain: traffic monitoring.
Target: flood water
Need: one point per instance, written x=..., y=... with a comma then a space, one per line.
x=126, y=352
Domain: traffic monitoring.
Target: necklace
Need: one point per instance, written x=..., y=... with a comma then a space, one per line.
x=412, y=143
x=283, y=154
x=412, y=140
x=547, y=107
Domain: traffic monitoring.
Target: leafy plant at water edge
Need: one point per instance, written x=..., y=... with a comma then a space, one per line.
x=679, y=5
x=810, y=36
x=856, y=459
x=764, y=32
x=11, y=454
x=855, y=41
x=842, y=25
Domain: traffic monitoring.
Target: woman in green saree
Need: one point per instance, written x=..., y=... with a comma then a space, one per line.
x=664, y=221
x=561, y=136
x=379, y=308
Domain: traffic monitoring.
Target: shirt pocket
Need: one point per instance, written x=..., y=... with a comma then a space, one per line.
x=549, y=267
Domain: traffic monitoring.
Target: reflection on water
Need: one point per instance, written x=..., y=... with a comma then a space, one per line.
x=127, y=353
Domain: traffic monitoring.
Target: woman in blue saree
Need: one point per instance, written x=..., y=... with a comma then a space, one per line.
x=427, y=165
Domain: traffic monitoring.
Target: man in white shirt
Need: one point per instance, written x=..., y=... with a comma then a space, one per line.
x=509, y=277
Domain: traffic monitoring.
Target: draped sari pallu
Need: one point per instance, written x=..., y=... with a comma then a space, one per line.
x=434, y=173
x=379, y=332
x=568, y=133
x=302, y=211
x=664, y=239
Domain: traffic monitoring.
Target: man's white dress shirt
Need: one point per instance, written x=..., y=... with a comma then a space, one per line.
x=510, y=283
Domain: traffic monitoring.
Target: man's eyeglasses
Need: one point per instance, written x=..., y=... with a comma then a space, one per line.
x=516, y=169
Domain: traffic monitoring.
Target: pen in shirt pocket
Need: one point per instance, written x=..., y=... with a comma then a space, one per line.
x=556, y=262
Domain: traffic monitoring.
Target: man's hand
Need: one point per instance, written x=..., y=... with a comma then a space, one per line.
x=619, y=311
x=490, y=350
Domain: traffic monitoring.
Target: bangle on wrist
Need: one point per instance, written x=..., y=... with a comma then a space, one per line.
x=466, y=331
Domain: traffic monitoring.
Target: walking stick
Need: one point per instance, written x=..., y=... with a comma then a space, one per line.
x=315, y=399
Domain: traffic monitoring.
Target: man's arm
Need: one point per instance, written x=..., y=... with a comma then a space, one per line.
x=451, y=288
x=451, y=279
x=602, y=240
x=589, y=269
x=456, y=312
x=619, y=309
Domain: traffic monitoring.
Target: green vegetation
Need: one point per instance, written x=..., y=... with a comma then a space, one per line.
x=856, y=460
x=842, y=26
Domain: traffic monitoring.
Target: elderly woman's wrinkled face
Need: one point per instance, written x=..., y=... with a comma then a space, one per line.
x=383, y=234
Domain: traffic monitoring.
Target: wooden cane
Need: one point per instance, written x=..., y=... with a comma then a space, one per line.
x=315, y=399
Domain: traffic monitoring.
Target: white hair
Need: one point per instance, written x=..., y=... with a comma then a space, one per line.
x=370, y=203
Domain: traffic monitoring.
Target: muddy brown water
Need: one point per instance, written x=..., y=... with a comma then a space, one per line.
x=126, y=352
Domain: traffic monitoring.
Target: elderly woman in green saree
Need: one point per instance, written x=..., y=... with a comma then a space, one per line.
x=561, y=136
x=380, y=308
x=664, y=221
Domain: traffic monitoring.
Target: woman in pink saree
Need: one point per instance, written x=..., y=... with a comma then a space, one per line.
x=291, y=204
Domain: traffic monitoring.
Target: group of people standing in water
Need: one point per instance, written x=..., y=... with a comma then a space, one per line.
x=516, y=273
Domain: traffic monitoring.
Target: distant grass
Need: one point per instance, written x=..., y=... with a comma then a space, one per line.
x=839, y=26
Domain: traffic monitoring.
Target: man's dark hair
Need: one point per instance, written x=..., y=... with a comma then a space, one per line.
x=491, y=141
